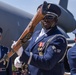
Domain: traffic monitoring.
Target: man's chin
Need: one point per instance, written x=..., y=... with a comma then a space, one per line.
x=46, y=28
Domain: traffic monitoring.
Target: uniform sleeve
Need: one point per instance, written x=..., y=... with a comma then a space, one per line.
x=9, y=67
x=71, y=56
x=52, y=55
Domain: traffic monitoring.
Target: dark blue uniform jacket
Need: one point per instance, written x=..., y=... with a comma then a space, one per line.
x=71, y=55
x=8, y=70
x=49, y=63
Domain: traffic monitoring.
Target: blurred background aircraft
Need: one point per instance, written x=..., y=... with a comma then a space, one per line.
x=14, y=20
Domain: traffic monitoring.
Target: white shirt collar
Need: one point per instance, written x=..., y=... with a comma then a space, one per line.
x=43, y=32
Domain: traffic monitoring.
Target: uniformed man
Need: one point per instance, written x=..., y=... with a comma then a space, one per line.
x=71, y=55
x=5, y=69
x=41, y=60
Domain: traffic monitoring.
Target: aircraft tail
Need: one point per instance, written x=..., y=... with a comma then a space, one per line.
x=63, y=3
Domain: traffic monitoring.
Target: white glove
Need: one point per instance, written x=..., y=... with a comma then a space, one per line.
x=20, y=50
x=17, y=62
x=14, y=43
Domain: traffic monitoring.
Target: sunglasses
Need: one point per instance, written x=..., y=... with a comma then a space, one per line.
x=48, y=17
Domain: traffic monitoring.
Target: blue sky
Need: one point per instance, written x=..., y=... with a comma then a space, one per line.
x=31, y=6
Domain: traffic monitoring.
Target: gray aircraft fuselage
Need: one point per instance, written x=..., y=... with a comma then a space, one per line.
x=14, y=21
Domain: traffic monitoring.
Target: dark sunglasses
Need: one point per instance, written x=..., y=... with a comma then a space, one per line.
x=48, y=17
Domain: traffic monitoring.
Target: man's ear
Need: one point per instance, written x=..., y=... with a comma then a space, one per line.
x=56, y=19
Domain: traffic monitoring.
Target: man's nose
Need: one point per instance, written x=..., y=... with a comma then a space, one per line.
x=45, y=20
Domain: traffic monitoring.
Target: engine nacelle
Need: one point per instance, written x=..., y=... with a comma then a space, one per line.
x=66, y=20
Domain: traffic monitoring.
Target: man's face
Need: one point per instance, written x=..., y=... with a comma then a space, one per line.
x=48, y=21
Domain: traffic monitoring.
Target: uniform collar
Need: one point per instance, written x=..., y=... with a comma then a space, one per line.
x=49, y=31
x=52, y=30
